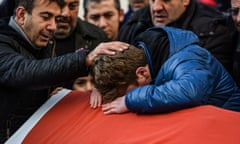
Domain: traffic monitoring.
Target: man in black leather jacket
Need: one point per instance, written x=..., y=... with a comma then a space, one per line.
x=27, y=65
x=206, y=22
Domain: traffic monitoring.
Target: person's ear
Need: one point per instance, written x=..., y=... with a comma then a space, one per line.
x=20, y=15
x=143, y=75
x=141, y=72
x=121, y=15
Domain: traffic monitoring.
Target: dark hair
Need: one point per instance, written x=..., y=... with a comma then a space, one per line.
x=29, y=4
x=86, y=3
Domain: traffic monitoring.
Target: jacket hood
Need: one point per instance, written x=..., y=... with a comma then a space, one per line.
x=179, y=38
x=160, y=43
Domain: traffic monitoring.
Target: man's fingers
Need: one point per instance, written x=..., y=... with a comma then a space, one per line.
x=107, y=112
x=107, y=107
x=111, y=47
x=99, y=101
x=108, y=48
x=121, y=45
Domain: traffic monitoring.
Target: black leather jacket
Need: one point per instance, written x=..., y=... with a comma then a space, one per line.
x=210, y=25
x=26, y=75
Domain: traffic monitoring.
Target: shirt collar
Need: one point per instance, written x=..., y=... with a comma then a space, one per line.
x=12, y=23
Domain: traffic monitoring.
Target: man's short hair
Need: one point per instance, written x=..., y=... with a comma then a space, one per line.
x=86, y=3
x=29, y=4
x=113, y=74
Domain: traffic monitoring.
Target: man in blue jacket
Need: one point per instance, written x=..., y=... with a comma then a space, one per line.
x=207, y=23
x=170, y=72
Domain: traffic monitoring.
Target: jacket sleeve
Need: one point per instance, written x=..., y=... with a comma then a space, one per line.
x=138, y=22
x=186, y=81
x=22, y=71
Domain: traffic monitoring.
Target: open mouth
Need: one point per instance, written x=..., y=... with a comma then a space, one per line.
x=46, y=37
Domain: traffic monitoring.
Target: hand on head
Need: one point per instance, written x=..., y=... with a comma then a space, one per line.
x=108, y=48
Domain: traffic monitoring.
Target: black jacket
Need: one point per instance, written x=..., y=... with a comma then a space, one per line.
x=210, y=26
x=85, y=35
x=26, y=75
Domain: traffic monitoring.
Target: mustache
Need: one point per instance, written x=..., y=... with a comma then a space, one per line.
x=48, y=33
x=63, y=19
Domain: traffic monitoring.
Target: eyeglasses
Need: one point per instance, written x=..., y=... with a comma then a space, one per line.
x=234, y=11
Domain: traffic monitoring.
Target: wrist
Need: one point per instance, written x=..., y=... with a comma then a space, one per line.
x=90, y=58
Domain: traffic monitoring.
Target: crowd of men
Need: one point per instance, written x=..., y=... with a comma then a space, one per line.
x=188, y=50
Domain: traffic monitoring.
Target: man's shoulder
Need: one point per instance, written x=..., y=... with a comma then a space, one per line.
x=142, y=15
x=209, y=19
x=138, y=22
x=206, y=13
x=7, y=39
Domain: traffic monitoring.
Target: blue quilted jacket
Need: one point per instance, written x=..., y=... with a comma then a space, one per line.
x=190, y=77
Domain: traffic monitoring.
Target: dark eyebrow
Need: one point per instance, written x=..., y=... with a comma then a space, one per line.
x=49, y=14
x=46, y=12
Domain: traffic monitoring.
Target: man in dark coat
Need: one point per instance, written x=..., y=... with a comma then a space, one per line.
x=206, y=22
x=27, y=65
